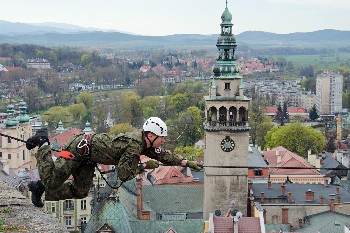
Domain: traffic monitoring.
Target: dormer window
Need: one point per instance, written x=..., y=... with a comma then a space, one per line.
x=227, y=86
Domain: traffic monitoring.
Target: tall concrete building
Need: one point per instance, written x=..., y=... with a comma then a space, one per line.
x=226, y=130
x=329, y=86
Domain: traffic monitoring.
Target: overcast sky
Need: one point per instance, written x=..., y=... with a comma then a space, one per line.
x=167, y=17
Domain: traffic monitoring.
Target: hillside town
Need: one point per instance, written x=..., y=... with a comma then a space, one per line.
x=248, y=184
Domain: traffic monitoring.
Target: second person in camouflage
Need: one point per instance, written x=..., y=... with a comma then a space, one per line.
x=121, y=150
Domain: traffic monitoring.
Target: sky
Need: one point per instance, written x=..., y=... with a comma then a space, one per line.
x=168, y=17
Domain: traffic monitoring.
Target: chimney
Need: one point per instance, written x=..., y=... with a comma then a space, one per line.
x=325, y=182
x=250, y=185
x=300, y=223
x=321, y=200
x=289, y=197
x=5, y=167
x=337, y=190
x=279, y=159
x=264, y=215
x=235, y=224
x=141, y=214
x=269, y=184
x=139, y=197
x=284, y=215
x=309, y=195
x=283, y=189
x=318, y=163
x=338, y=199
x=262, y=197
x=332, y=204
x=251, y=207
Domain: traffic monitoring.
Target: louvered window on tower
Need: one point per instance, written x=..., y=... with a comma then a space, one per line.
x=227, y=86
x=257, y=172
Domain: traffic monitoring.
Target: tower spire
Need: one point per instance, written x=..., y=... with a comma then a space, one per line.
x=226, y=3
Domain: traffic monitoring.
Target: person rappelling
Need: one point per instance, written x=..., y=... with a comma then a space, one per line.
x=82, y=153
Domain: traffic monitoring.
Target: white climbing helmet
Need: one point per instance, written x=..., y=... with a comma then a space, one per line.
x=156, y=126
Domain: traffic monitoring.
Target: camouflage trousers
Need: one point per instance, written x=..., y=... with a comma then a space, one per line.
x=55, y=174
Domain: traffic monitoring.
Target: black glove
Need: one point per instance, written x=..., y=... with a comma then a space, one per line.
x=151, y=164
x=194, y=165
x=140, y=169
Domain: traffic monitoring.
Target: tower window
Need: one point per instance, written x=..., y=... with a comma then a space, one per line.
x=227, y=86
x=257, y=172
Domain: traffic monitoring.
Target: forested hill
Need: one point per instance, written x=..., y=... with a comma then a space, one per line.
x=54, y=36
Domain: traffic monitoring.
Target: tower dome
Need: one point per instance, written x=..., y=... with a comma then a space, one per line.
x=11, y=120
x=23, y=117
x=226, y=16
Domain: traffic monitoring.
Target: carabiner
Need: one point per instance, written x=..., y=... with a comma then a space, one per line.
x=81, y=146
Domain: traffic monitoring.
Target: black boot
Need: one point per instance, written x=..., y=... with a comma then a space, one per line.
x=41, y=136
x=37, y=188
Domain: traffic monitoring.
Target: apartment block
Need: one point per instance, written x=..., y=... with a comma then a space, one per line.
x=329, y=87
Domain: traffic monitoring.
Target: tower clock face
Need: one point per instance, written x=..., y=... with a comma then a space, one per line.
x=227, y=144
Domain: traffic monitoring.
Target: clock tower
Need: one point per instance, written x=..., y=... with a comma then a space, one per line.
x=226, y=129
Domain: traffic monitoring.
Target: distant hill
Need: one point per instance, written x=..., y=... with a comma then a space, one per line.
x=54, y=34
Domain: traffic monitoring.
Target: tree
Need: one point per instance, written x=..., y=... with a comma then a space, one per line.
x=98, y=117
x=256, y=117
x=31, y=95
x=78, y=112
x=188, y=127
x=151, y=106
x=149, y=87
x=120, y=128
x=330, y=146
x=285, y=112
x=262, y=130
x=190, y=152
x=56, y=114
x=296, y=138
x=313, y=115
x=86, y=98
x=279, y=116
x=129, y=109
x=309, y=84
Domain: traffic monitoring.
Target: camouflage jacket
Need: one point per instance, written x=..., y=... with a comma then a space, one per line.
x=124, y=150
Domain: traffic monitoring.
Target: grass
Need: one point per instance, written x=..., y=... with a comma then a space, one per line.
x=320, y=62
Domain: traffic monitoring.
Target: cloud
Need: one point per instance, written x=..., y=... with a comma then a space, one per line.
x=335, y=4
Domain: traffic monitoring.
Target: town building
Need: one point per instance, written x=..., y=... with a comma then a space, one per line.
x=329, y=86
x=280, y=159
x=226, y=129
x=14, y=152
x=38, y=63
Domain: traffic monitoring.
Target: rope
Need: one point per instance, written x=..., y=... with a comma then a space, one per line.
x=204, y=166
x=98, y=169
x=253, y=167
x=21, y=140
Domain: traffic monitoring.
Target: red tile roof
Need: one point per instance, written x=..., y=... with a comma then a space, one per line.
x=167, y=174
x=249, y=225
x=223, y=224
x=65, y=136
x=11, y=68
x=288, y=159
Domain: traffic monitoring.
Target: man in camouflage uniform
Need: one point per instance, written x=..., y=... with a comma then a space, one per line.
x=81, y=155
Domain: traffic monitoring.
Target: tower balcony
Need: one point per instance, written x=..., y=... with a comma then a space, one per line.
x=229, y=125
